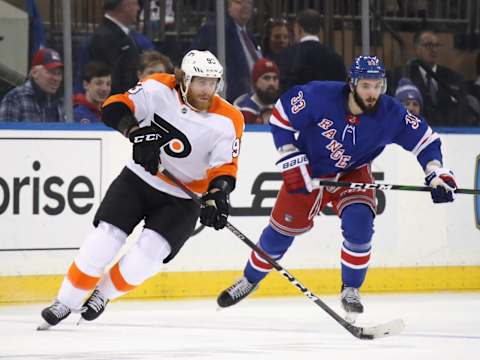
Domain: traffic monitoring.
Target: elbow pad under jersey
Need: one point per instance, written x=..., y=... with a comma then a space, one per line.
x=224, y=182
x=119, y=117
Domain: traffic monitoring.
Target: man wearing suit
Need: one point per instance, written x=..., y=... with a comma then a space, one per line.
x=112, y=44
x=443, y=90
x=309, y=60
x=240, y=48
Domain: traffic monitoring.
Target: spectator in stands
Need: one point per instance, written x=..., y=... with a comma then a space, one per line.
x=83, y=57
x=240, y=48
x=113, y=44
x=276, y=38
x=38, y=100
x=152, y=61
x=97, y=81
x=409, y=95
x=309, y=60
x=443, y=90
x=473, y=87
x=257, y=106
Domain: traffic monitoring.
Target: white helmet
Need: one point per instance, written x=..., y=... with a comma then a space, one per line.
x=202, y=64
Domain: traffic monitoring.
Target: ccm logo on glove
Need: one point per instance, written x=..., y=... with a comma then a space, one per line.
x=148, y=137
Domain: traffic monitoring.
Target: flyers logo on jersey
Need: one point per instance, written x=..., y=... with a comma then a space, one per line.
x=298, y=103
x=174, y=142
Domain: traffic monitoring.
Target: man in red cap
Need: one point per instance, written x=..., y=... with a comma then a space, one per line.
x=256, y=106
x=37, y=100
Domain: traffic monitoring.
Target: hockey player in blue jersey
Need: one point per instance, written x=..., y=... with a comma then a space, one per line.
x=333, y=130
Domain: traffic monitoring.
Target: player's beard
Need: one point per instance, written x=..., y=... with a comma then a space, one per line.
x=201, y=106
x=367, y=109
x=269, y=96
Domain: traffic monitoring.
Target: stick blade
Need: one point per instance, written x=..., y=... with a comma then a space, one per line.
x=390, y=328
x=43, y=326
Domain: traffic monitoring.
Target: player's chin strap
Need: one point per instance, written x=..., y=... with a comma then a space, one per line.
x=317, y=183
x=390, y=328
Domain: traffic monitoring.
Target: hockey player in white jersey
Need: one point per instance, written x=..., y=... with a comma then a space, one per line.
x=177, y=120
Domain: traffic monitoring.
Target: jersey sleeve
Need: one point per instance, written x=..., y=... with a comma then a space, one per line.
x=289, y=115
x=137, y=98
x=416, y=136
x=224, y=155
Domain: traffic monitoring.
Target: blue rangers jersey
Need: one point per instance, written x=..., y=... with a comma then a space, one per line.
x=315, y=118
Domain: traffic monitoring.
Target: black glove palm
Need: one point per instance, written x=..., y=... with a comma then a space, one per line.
x=146, y=147
x=214, y=209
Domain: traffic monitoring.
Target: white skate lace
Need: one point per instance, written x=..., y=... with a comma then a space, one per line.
x=240, y=288
x=351, y=295
x=59, y=310
x=97, y=301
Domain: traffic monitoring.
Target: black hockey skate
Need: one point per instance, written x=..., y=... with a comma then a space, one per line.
x=54, y=314
x=94, y=306
x=238, y=291
x=351, y=303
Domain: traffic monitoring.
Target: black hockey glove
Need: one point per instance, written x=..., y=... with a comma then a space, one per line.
x=214, y=209
x=146, y=147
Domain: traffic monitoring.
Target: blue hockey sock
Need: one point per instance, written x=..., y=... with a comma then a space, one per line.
x=357, y=228
x=275, y=245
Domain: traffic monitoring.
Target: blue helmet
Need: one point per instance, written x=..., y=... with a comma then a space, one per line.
x=367, y=67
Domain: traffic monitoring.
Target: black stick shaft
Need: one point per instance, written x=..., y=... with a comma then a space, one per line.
x=354, y=185
x=354, y=330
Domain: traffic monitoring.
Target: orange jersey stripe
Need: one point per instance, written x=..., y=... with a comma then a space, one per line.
x=222, y=107
x=166, y=79
x=198, y=186
x=80, y=280
x=122, y=98
x=118, y=281
x=201, y=186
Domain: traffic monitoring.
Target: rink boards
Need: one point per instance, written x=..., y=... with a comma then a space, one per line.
x=53, y=180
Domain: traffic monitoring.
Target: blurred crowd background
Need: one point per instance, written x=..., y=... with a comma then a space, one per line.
x=431, y=50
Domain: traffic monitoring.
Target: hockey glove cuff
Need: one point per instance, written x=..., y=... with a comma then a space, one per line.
x=296, y=173
x=443, y=185
x=146, y=148
x=214, y=208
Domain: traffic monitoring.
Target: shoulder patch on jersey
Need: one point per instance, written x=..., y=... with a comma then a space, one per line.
x=166, y=79
x=298, y=103
x=412, y=120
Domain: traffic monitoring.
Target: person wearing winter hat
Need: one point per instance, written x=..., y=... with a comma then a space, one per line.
x=409, y=95
x=256, y=106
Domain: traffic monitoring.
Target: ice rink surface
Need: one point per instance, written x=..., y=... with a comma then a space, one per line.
x=438, y=326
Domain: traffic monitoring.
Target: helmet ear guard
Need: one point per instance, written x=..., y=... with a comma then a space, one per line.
x=367, y=67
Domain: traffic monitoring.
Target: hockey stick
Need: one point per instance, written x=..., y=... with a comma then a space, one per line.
x=353, y=185
x=365, y=333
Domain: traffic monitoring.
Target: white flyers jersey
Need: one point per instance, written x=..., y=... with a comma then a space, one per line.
x=199, y=146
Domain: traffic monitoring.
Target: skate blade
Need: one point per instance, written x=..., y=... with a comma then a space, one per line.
x=44, y=326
